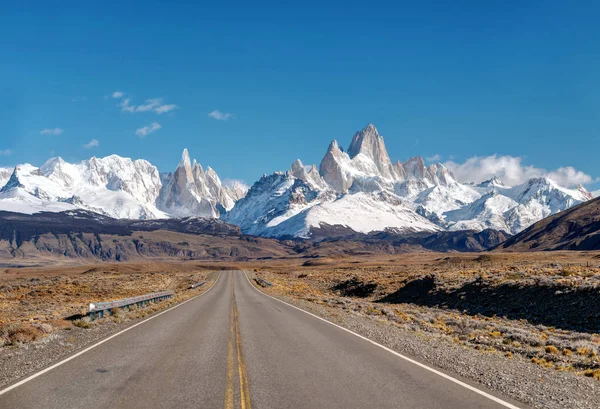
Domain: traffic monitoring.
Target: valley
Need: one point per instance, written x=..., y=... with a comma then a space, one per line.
x=504, y=320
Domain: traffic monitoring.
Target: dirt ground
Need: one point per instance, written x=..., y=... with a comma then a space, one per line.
x=543, y=306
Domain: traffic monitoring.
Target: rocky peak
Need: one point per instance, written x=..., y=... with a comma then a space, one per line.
x=333, y=168
x=584, y=192
x=493, y=182
x=193, y=191
x=298, y=171
x=369, y=143
x=415, y=168
x=13, y=182
x=185, y=159
x=438, y=174
x=312, y=176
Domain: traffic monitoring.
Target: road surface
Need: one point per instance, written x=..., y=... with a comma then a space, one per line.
x=234, y=347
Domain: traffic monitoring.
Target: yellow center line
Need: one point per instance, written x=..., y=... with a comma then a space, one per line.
x=244, y=385
x=235, y=337
x=230, y=362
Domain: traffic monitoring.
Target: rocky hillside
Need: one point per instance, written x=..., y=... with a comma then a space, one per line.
x=575, y=229
x=49, y=237
x=85, y=235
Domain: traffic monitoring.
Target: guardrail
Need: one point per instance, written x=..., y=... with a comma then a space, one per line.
x=200, y=284
x=262, y=282
x=97, y=309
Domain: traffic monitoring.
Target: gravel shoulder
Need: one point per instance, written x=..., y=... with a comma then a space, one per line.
x=516, y=377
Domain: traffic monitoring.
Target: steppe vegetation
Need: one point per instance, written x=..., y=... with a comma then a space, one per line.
x=543, y=307
x=35, y=303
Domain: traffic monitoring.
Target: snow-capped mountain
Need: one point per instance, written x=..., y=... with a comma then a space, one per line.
x=282, y=205
x=363, y=190
x=192, y=191
x=358, y=190
x=117, y=187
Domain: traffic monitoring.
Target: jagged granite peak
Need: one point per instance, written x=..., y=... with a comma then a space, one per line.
x=356, y=188
x=237, y=190
x=117, y=187
x=334, y=168
x=493, y=182
x=13, y=181
x=368, y=142
x=359, y=190
x=312, y=176
x=399, y=170
x=415, y=168
x=185, y=159
x=193, y=191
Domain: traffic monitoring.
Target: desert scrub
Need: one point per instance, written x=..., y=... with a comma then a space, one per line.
x=591, y=373
x=83, y=323
x=19, y=333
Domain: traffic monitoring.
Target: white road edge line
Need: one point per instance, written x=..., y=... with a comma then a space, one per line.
x=412, y=361
x=56, y=365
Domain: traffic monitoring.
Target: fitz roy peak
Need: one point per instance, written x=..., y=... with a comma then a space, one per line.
x=362, y=190
x=355, y=190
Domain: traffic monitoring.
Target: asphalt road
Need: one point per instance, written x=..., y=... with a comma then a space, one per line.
x=234, y=347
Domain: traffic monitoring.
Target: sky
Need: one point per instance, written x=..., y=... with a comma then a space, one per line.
x=497, y=87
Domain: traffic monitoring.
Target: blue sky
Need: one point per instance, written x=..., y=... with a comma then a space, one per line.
x=445, y=80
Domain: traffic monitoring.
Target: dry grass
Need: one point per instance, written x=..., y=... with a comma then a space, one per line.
x=454, y=309
x=36, y=302
x=19, y=333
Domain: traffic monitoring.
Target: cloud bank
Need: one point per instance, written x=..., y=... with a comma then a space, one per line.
x=511, y=171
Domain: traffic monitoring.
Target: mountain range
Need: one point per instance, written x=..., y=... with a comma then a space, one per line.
x=577, y=228
x=358, y=190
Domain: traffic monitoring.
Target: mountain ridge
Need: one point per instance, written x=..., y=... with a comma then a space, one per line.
x=359, y=189
x=577, y=228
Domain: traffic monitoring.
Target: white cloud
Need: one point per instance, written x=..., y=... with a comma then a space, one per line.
x=153, y=127
x=434, y=158
x=220, y=116
x=512, y=171
x=49, y=131
x=94, y=143
x=161, y=109
x=241, y=184
x=118, y=94
x=6, y=152
x=152, y=104
x=569, y=176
